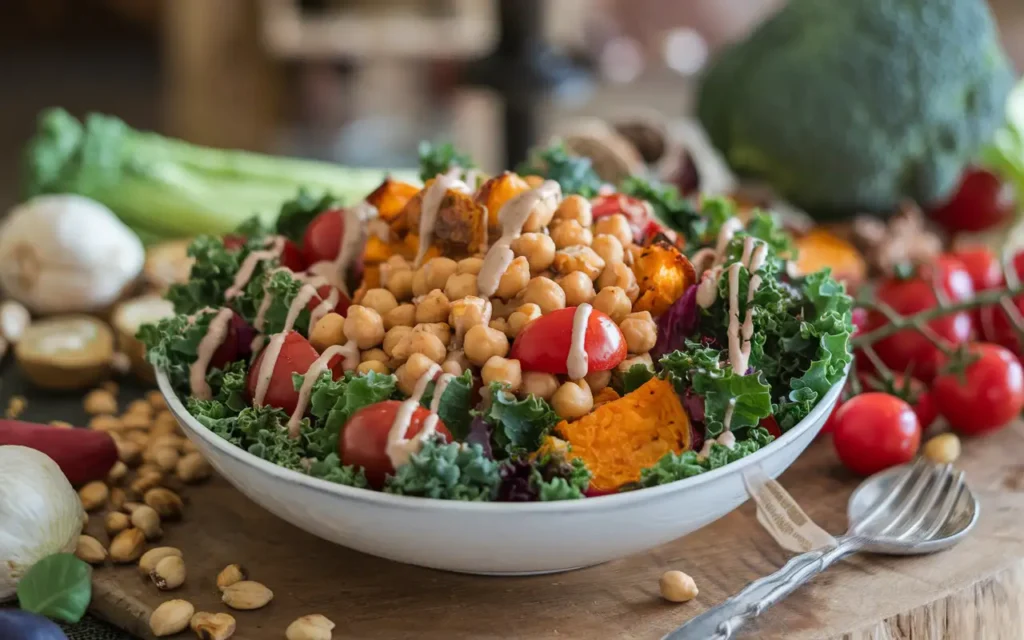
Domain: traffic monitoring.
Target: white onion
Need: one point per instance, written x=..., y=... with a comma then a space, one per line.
x=40, y=513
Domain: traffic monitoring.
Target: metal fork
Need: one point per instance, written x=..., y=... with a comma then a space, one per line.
x=904, y=511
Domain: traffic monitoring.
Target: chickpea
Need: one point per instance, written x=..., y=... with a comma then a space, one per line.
x=537, y=248
x=616, y=225
x=328, y=330
x=440, y=330
x=393, y=337
x=621, y=276
x=380, y=300
x=501, y=324
x=521, y=316
x=514, y=279
x=404, y=315
x=542, y=385
x=577, y=287
x=614, y=302
x=438, y=270
x=469, y=265
x=677, y=586
x=569, y=232
x=420, y=342
x=629, y=363
x=483, y=342
x=399, y=284
x=455, y=363
x=609, y=248
x=364, y=326
x=460, y=286
x=640, y=331
x=373, y=354
x=545, y=293
x=498, y=369
x=372, y=365
x=504, y=308
x=575, y=207
x=540, y=216
x=573, y=399
x=579, y=258
x=943, y=448
x=419, y=282
x=598, y=380
x=398, y=263
x=468, y=312
x=410, y=373
x=433, y=307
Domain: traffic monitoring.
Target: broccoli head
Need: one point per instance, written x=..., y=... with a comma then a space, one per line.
x=850, y=107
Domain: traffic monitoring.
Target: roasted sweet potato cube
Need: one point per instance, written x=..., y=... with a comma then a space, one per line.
x=497, y=191
x=820, y=248
x=376, y=250
x=391, y=197
x=663, y=273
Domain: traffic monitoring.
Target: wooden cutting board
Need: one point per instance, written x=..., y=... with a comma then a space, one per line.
x=973, y=592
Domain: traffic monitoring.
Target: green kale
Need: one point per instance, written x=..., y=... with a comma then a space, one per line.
x=297, y=213
x=229, y=385
x=556, y=479
x=674, y=211
x=674, y=466
x=746, y=398
x=455, y=408
x=332, y=403
x=282, y=287
x=637, y=376
x=254, y=228
x=518, y=425
x=172, y=344
x=447, y=472
x=574, y=173
x=213, y=272
x=436, y=159
x=331, y=470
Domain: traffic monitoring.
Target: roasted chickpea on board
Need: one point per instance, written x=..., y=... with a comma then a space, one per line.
x=504, y=338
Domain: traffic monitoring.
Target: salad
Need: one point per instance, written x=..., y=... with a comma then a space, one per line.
x=525, y=336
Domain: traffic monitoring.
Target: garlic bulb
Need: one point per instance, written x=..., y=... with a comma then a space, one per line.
x=40, y=514
x=67, y=253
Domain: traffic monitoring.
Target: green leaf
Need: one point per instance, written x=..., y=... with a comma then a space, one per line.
x=332, y=403
x=556, y=479
x=674, y=211
x=297, y=213
x=436, y=159
x=673, y=466
x=331, y=469
x=519, y=425
x=637, y=376
x=58, y=586
x=447, y=472
x=456, y=404
x=749, y=396
x=282, y=287
x=575, y=174
x=229, y=385
x=212, y=274
x=172, y=344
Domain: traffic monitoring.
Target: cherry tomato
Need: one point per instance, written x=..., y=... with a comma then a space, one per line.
x=988, y=395
x=925, y=409
x=981, y=200
x=771, y=425
x=291, y=255
x=875, y=431
x=323, y=292
x=638, y=212
x=993, y=323
x=982, y=266
x=364, y=438
x=908, y=350
x=830, y=422
x=233, y=241
x=912, y=390
x=322, y=240
x=859, y=318
x=543, y=344
x=296, y=356
x=235, y=344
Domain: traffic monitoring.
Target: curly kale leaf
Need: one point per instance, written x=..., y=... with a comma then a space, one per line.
x=575, y=174
x=637, y=376
x=447, y=472
x=456, y=404
x=436, y=159
x=673, y=466
x=229, y=385
x=519, y=425
x=282, y=287
x=297, y=213
x=674, y=211
x=546, y=477
x=332, y=403
x=172, y=344
x=331, y=470
x=745, y=399
x=213, y=272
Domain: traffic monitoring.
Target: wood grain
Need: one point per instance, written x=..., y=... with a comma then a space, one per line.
x=972, y=592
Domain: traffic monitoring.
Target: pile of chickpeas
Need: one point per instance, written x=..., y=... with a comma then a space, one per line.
x=433, y=315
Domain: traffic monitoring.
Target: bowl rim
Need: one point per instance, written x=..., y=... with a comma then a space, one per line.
x=596, y=503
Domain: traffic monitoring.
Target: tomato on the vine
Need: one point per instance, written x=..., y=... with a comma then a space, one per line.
x=364, y=438
x=982, y=266
x=875, y=431
x=982, y=200
x=912, y=390
x=993, y=323
x=987, y=395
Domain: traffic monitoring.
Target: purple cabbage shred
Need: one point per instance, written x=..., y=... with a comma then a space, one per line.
x=677, y=324
x=480, y=433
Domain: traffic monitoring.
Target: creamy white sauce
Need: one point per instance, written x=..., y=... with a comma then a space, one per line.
x=461, y=323
x=216, y=331
x=704, y=259
x=577, y=363
x=737, y=358
x=430, y=423
x=248, y=266
x=432, y=199
x=726, y=439
x=707, y=290
x=725, y=235
x=398, y=447
x=351, y=352
x=512, y=216
x=727, y=420
x=266, y=371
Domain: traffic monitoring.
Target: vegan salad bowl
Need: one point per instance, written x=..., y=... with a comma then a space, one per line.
x=519, y=373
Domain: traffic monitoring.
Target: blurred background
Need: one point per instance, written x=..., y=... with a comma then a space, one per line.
x=362, y=81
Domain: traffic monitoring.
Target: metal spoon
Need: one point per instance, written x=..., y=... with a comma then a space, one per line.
x=907, y=510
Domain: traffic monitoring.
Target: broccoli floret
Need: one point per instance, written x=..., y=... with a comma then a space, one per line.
x=850, y=107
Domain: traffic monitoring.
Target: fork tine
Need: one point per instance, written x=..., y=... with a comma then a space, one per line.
x=905, y=506
x=921, y=511
x=942, y=514
x=883, y=503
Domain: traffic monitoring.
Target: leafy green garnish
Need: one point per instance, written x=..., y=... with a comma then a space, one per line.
x=746, y=398
x=282, y=287
x=519, y=425
x=575, y=174
x=229, y=385
x=674, y=466
x=674, y=211
x=58, y=586
x=436, y=159
x=637, y=376
x=447, y=472
x=556, y=479
x=332, y=403
x=297, y=213
x=331, y=470
x=456, y=404
x=212, y=274
x=172, y=344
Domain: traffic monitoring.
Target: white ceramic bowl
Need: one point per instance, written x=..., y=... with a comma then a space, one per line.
x=495, y=537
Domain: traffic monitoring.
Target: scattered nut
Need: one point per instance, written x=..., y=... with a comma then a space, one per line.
x=166, y=458
x=148, y=468
x=189, y=447
x=129, y=452
x=94, y=495
x=99, y=402
x=14, y=319
x=169, y=573
x=943, y=448
x=115, y=522
x=105, y=423
x=90, y=550
x=140, y=407
x=136, y=420
x=110, y=386
x=231, y=574
x=193, y=467
x=147, y=520
x=167, y=503
x=15, y=406
x=165, y=440
x=85, y=520
x=127, y=546
x=61, y=424
x=117, y=473
x=247, y=595
x=151, y=558
x=311, y=627
x=213, y=626
x=117, y=498
x=676, y=586
x=171, y=617
x=145, y=482
x=131, y=507
x=156, y=400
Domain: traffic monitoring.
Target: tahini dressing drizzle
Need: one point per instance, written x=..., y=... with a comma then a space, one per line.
x=577, y=363
x=216, y=331
x=399, y=448
x=432, y=199
x=350, y=350
x=248, y=266
x=354, y=233
x=512, y=216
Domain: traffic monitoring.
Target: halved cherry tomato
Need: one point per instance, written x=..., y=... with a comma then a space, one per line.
x=875, y=431
x=771, y=425
x=543, y=344
x=637, y=211
x=322, y=240
x=296, y=356
x=989, y=394
x=233, y=241
x=364, y=438
x=982, y=200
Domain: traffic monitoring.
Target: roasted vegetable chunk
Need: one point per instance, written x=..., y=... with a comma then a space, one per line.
x=663, y=274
